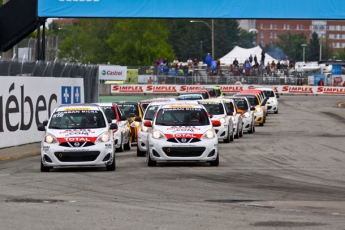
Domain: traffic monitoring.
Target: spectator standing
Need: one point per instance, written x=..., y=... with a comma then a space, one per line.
x=247, y=67
x=320, y=82
x=235, y=62
x=175, y=63
x=218, y=66
x=195, y=63
x=189, y=63
x=208, y=61
x=149, y=81
x=263, y=55
x=250, y=59
x=255, y=58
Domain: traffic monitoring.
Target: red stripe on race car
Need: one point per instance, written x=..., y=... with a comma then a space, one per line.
x=183, y=135
x=76, y=139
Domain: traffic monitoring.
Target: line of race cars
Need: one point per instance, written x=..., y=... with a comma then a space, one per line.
x=186, y=128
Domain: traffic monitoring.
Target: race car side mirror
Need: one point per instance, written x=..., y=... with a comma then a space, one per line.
x=45, y=122
x=138, y=119
x=148, y=123
x=277, y=95
x=216, y=123
x=113, y=126
x=109, y=120
x=41, y=127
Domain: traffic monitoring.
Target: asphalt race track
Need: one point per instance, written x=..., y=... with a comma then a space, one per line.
x=289, y=174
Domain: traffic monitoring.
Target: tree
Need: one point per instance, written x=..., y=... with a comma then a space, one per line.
x=291, y=45
x=314, y=47
x=246, y=39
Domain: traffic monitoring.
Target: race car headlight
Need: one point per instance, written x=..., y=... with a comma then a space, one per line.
x=258, y=110
x=144, y=128
x=209, y=134
x=104, y=137
x=157, y=134
x=232, y=118
x=274, y=101
x=50, y=138
x=135, y=124
x=222, y=120
x=246, y=114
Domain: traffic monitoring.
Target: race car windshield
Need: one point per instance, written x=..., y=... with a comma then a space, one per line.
x=144, y=105
x=130, y=110
x=214, y=108
x=190, y=97
x=151, y=111
x=230, y=107
x=182, y=117
x=241, y=104
x=109, y=112
x=252, y=100
x=77, y=119
x=269, y=93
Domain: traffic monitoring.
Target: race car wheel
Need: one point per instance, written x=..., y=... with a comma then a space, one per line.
x=227, y=139
x=140, y=153
x=232, y=138
x=121, y=148
x=276, y=112
x=112, y=167
x=237, y=135
x=215, y=162
x=128, y=145
x=261, y=124
x=251, y=129
x=45, y=168
x=241, y=133
x=254, y=129
x=150, y=162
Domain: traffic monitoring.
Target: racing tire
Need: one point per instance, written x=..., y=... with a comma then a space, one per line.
x=276, y=112
x=121, y=148
x=128, y=145
x=254, y=129
x=241, y=133
x=251, y=131
x=232, y=138
x=112, y=167
x=237, y=135
x=140, y=153
x=215, y=163
x=227, y=139
x=45, y=168
x=261, y=124
x=150, y=162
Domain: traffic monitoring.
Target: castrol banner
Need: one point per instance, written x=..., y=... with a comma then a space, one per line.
x=112, y=72
x=227, y=89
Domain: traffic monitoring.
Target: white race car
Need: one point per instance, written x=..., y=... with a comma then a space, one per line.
x=237, y=116
x=77, y=135
x=182, y=132
x=247, y=114
x=217, y=111
x=272, y=102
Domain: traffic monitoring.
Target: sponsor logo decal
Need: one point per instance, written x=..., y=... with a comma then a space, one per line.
x=231, y=88
x=123, y=88
x=331, y=90
x=297, y=89
x=165, y=89
x=76, y=139
x=183, y=135
x=183, y=129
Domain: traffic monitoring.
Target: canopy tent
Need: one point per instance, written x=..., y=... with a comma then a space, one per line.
x=242, y=54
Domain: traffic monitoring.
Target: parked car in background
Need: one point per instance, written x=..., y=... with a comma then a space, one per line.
x=272, y=102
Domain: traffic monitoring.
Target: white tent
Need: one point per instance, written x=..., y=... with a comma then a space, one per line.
x=241, y=54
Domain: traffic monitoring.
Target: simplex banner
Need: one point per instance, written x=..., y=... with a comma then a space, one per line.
x=228, y=89
x=232, y=9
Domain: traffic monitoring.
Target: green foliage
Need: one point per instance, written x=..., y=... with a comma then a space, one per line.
x=291, y=45
x=314, y=48
x=340, y=55
x=246, y=39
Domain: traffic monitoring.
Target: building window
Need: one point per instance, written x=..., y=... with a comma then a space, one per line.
x=275, y=26
x=338, y=27
x=331, y=28
x=297, y=27
x=330, y=36
x=288, y=26
x=275, y=35
x=343, y=45
x=262, y=26
x=322, y=28
x=284, y=27
x=271, y=35
x=301, y=27
x=262, y=35
x=343, y=28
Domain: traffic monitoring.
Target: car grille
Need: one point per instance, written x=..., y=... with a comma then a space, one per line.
x=77, y=156
x=183, y=151
x=76, y=144
x=183, y=140
x=269, y=107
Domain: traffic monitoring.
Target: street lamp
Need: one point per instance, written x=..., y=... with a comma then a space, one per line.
x=304, y=45
x=212, y=31
x=255, y=31
x=75, y=41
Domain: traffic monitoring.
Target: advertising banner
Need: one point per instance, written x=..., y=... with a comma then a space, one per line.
x=233, y=9
x=112, y=72
x=26, y=102
x=227, y=89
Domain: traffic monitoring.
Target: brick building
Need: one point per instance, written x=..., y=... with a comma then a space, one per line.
x=269, y=30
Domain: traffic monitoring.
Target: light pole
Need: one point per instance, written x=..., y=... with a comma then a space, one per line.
x=75, y=41
x=304, y=45
x=255, y=31
x=212, y=31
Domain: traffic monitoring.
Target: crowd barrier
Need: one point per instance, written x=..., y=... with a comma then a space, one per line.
x=227, y=89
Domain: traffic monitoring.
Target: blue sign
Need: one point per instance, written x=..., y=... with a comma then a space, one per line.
x=336, y=69
x=318, y=78
x=66, y=94
x=233, y=9
x=76, y=95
